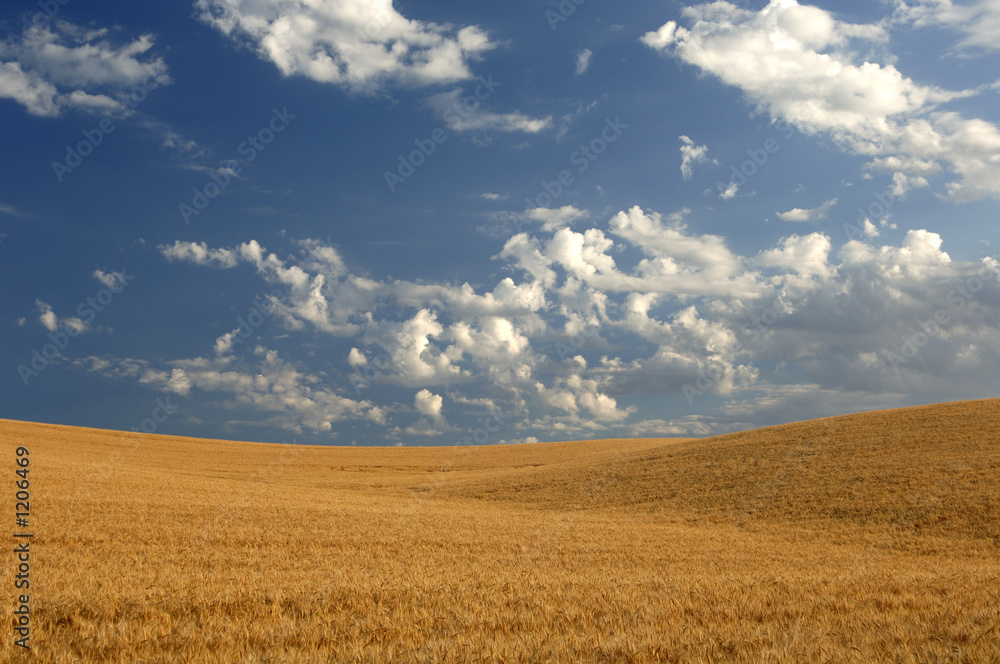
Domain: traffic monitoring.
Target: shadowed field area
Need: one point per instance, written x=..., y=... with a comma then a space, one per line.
x=870, y=537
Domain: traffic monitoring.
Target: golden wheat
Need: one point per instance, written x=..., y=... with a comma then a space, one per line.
x=872, y=537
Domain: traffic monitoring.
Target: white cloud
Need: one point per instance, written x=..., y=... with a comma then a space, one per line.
x=870, y=230
x=49, y=71
x=808, y=215
x=585, y=319
x=687, y=426
x=263, y=383
x=806, y=256
x=51, y=322
x=692, y=154
x=554, y=218
x=576, y=395
x=978, y=20
x=730, y=192
x=422, y=427
x=199, y=254
x=903, y=183
x=355, y=43
x=493, y=197
x=110, y=279
x=465, y=118
x=32, y=92
x=583, y=61
x=171, y=139
x=429, y=404
x=415, y=345
x=680, y=262
x=799, y=64
x=677, y=263
x=224, y=344
x=46, y=316
x=356, y=358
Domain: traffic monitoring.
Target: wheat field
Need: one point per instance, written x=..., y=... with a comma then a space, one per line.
x=863, y=538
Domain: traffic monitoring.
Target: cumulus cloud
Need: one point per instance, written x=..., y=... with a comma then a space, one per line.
x=575, y=395
x=224, y=344
x=869, y=229
x=356, y=358
x=46, y=316
x=800, y=64
x=52, y=69
x=355, y=43
x=264, y=383
x=692, y=154
x=553, y=218
x=730, y=191
x=429, y=404
x=810, y=214
x=51, y=322
x=679, y=261
x=587, y=318
x=583, y=61
x=111, y=280
x=806, y=256
x=199, y=254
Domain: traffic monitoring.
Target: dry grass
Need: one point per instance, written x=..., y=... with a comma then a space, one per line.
x=866, y=538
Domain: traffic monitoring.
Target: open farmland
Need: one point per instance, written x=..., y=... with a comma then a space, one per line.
x=862, y=538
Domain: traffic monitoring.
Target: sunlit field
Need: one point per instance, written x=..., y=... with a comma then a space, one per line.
x=864, y=538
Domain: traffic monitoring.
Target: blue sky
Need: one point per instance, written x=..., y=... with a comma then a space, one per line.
x=439, y=223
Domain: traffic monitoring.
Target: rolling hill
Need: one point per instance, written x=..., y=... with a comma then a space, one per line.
x=868, y=537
